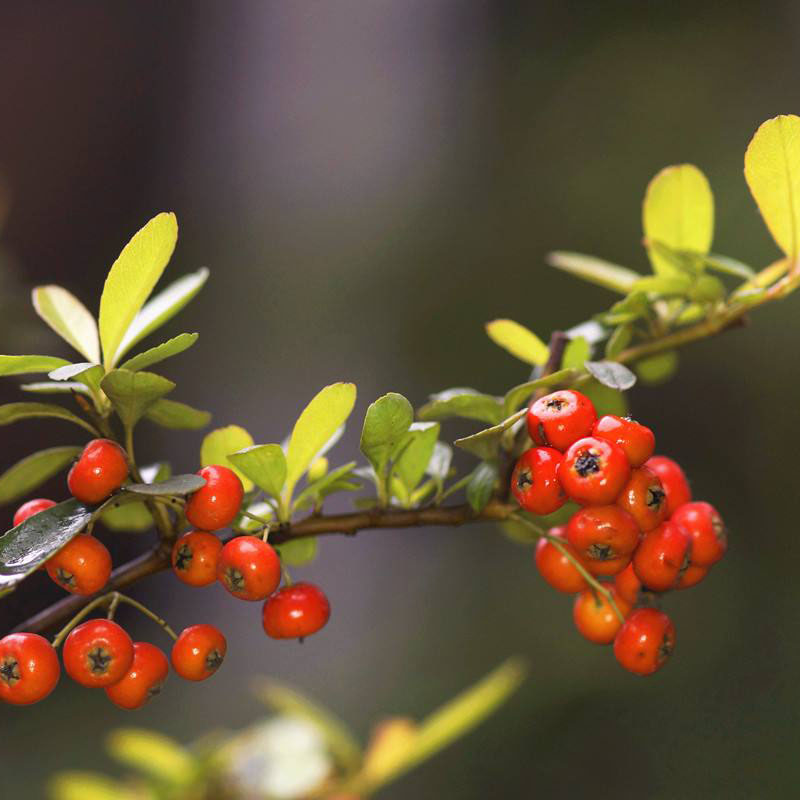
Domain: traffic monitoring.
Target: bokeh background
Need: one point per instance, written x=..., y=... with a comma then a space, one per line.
x=370, y=182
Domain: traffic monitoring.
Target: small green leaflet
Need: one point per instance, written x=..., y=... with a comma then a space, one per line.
x=172, y=414
x=14, y=412
x=464, y=403
x=481, y=485
x=264, y=464
x=29, y=365
x=298, y=552
x=595, y=270
x=172, y=347
x=33, y=470
x=385, y=426
x=133, y=393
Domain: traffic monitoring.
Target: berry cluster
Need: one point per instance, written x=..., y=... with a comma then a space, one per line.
x=637, y=525
x=98, y=653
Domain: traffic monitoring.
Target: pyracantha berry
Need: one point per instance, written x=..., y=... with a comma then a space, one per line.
x=195, y=557
x=216, y=504
x=644, y=498
x=691, y=576
x=295, y=612
x=705, y=526
x=674, y=482
x=101, y=469
x=249, y=568
x=29, y=668
x=30, y=508
x=534, y=482
x=663, y=556
x=636, y=440
x=594, y=471
x=199, y=652
x=555, y=567
x=595, y=617
x=144, y=679
x=645, y=641
x=604, y=538
x=561, y=418
x=82, y=566
x=628, y=586
x=98, y=653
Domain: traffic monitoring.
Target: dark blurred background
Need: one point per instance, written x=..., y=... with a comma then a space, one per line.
x=370, y=182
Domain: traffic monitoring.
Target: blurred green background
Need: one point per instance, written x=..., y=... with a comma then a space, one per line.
x=370, y=182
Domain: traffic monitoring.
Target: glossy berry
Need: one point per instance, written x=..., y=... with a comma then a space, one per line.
x=705, y=526
x=101, y=469
x=144, y=679
x=636, y=440
x=594, y=471
x=98, y=653
x=199, y=652
x=30, y=508
x=82, y=566
x=559, y=419
x=674, y=482
x=534, y=482
x=195, y=557
x=595, y=617
x=249, y=568
x=555, y=567
x=645, y=641
x=295, y=612
x=603, y=537
x=628, y=586
x=691, y=576
x=215, y=505
x=663, y=556
x=29, y=668
x=643, y=497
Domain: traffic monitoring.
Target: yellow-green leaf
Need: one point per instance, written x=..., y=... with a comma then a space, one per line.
x=74, y=785
x=14, y=412
x=131, y=279
x=678, y=210
x=134, y=393
x=172, y=347
x=29, y=365
x=33, y=470
x=221, y=443
x=518, y=341
x=69, y=318
x=264, y=464
x=594, y=270
x=152, y=753
x=772, y=171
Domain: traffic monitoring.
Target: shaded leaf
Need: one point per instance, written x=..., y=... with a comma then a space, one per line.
x=611, y=374
x=14, y=412
x=176, y=485
x=264, y=464
x=298, y=552
x=327, y=483
x=618, y=341
x=658, y=368
x=411, y=463
x=134, y=393
x=576, y=353
x=605, y=399
x=728, y=265
x=485, y=443
x=664, y=285
x=33, y=470
x=385, y=426
x=172, y=347
x=172, y=414
x=481, y=485
x=221, y=443
x=518, y=340
x=594, y=270
x=465, y=403
x=29, y=365
x=69, y=318
x=131, y=517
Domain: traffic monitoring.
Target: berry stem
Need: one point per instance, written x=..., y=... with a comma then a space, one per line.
x=148, y=613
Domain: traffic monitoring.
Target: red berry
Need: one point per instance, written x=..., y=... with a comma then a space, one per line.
x=101, y=469
x=663, y=556
x=691, y=576
x=705, y=526
x=199, y=652
x=29, y=668
x=628, y=585
x=595, y=617
x=636, y=440
x=30, y=508
x=195, y=557
x=295, y=612
x=82, y=566
x=594, y=471
x=144, y=679
x=98, y=653
x=604, y=538
x=643, y=497
x=674, y=482
x=559, y=419
x=645, y=641
x=534, y=481
x=249, y=568
x=555, y=567
x=217, y=503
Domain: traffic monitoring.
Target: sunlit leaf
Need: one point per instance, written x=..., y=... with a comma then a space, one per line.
x=172, y=414
x=464, y=403
x=29, y=365
x=151, y=753
x=69, y=318
x=411, y=464
x=518, y=340
x=172, y=347
x=657, y=368
x=728, y=265
x=54, y=387
x=664, y=285
x=264, y=464
x=134, y=393
x=485, y=443
x=385, y=426
x=222, y=442
x=14, y=412
x=595, y=270
x=298, y=552
x=74, y=785
x=605, y=399
x=481, y=485
x=33, y=470
x=131, y=517
x=328, y=483
x=576, y=353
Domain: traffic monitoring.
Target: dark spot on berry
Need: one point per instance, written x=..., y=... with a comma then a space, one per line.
x=655, y=497
x=9, y=671
x=665, y=648
x=155, y=689
x=587, y=463
x=214, y=660
x=556, y=403
x=99, y=660
x=65, y=578
x=234, y=579
x=524, y=479
x=183, y=557
x=600, y=552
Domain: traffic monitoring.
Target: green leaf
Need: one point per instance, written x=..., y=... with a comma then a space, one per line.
x=54, y=387
x=465, y=403
x=131, y=517
x=69, y=318
x=385, y=426
x=34, y=470
x=410, y=465
x=181, y=485
x=684, y=262
x=772, y=171
x=730, y=266
x=221, y=443
x=319, y=421
x=74, y=785
x=86, y=373
x=707, y=289
x=334, y=480
x=264, y=464
x=664, y=285
x=162, y=307
x=606, y=400
x=518, y=395
x=29, y=365
x=595, y=270
x=172, y=347
x=153, y=754
x=618, y=341
x=518, y=340
x=611, y=374
x=298, y=552
x=133, y=393
x=678, y=211
x=14, y=412
x=481, y=485
x=485, y=443
x=576, y=353
x=658, y=368
x=32, y=542
x=172, y=414
x=131, y=279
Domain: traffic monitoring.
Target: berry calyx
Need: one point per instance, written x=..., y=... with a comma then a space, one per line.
x=29, y=668
x=144, y=679
x=644, y=498
x=594, y=471
x=249, y=568
x=295, y=612
x=595, y=617
x=705, y=526
x=560, y=418
x=30, y=508
x=195, y=557
x=82, y=566
x=98, y=653
x=101, y=469
x=198, y=652
x=673, y=481
x=645, y=642
x=636, y=440
x=555, y=567
x=534, y=482
x=663, y=556
x=216, y=504
x=604, y=537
